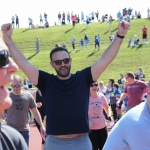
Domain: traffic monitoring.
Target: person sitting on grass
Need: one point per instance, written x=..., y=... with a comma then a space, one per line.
x=130, y=42
x=136, y=40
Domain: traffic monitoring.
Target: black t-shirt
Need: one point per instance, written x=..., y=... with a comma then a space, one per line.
x=119, y=81
x=66, y=102
x=11, y=139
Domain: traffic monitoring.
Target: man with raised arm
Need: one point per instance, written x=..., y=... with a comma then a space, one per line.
x=66, y=108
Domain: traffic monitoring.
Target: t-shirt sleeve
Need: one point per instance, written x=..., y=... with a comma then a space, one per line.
x=88, y=75
x=143, y=85
x=32, y=103
x=42, y=81
x=125, y=89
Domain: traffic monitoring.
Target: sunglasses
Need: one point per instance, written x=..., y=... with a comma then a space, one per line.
x=59, y=62
x=94, y=85
x=16, y=86
x=4, y=59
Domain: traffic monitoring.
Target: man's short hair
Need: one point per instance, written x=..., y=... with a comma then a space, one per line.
x=130, y=74
x=18, y=78
x=58, y=49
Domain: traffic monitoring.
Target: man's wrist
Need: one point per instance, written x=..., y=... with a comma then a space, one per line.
x=120, y=36
x=8, y=41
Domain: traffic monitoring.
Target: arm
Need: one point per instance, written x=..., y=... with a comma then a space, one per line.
x=37, y=117
x=31, y=72
x=122, y=97
x=106, y=107
x=110, y=52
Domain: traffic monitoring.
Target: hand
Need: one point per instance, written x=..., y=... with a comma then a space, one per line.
x=39, y=104
x=7, y=30
x=123, y=27
x=118, y=103
x=43, y=133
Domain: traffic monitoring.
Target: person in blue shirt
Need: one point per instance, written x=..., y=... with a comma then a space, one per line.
x=92, y=16
x=73, y=42
x=68, y=18
x=119, y=15
x=82, y=43
x=130, y=42
x=96, y=42
x=82, y=17
x=128, y=18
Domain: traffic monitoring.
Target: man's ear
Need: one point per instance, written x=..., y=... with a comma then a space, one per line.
x=52, y=64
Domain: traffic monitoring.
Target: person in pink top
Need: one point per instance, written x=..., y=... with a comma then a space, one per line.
x=73, y=18
x=134, y=91
x=97, y=102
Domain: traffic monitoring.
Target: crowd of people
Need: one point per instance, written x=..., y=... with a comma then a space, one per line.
x=76, y=106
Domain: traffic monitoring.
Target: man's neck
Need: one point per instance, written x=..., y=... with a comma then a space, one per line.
x=131, y=82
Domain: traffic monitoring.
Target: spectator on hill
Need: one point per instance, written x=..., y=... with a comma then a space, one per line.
x=82, y=43
x=130, y=42
x=119, y=16
x=77, y=19
x=63, y=18
x=30, y=22
x=111, y=38
x=17, y=21
x=25, y=83
x=88, y=21
x=136, y=40
x=73, y=18
x=46, y=24
x=73, y=42
x=140, y=74
x=92, y=16
x=148, y=13
x=97, y=14
x=37, y=43
x=130, y=11
x=144, y=33
x=64, y=45
x=86, y=39
x=102, y=88
x=41, y=19
x=136, y=14
x=133, y=86
x=13, y=21
x=128, y=18
x=97, y=123
x=132, y=131
x=68, y=18
x=82, y=17
x=97, y=42
x=110, y=21
x=139, y=15
x=45, y=16
x=59, y=18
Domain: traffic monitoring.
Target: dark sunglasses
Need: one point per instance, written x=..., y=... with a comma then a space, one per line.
x=4, y=59
x=16, y=86
x=94, y=85
x=59, y=62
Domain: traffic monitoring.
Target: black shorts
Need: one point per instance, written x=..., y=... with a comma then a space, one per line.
x=92, y=18
x=12, y=22
x=144, y=36
x=120, y=104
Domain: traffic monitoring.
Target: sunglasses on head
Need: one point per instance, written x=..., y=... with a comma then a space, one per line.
x=59, y=62
x=4, y=58
x=15, y=86
x=94, y=84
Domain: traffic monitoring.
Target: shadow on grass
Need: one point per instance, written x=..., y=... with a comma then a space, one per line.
x=139, y=46
x=106, y=32
x=78, y=51
x=83, y=30
x=32, y=56
x=71, y=51
x=25, y=30
x=94, y=52
x=114, y=30
x=68, y=30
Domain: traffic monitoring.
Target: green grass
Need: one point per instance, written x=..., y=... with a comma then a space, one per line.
x=128, y=58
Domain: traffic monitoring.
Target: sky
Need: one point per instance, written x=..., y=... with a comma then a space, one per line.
x=33, y=8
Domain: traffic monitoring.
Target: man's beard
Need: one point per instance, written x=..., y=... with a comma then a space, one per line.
x=61, y=74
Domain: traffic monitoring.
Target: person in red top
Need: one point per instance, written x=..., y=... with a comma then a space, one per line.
x=133, y=90
x=73, y=18
x=144, y=32
x=59, y=18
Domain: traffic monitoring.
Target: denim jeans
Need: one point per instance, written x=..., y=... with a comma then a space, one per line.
x=26, y=136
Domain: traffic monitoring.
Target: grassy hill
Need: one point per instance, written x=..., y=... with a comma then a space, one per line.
x=128, y=58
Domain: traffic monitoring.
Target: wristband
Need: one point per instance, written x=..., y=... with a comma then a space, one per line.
x=119, y=36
